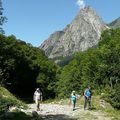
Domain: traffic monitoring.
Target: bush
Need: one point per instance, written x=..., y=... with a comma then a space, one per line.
x=113, y=97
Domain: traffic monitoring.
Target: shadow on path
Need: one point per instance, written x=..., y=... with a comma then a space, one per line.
x=77, y=108
x=57, y=117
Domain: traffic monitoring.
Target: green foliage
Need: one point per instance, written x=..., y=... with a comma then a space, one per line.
x=78, y=74
x=69, y=74
x=23, y=66
x=113, y=97
x=64, y=61
x=98, y=67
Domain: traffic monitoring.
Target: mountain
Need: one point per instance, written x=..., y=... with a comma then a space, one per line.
x=82, y=33
x=115, y=23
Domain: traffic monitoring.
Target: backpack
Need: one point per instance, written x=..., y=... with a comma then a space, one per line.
x=73, y=98
x=88, y=93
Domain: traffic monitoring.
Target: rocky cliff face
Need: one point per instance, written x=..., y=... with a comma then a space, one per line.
x=83, y=32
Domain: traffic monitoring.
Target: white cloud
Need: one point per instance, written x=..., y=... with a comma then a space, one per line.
x=81, y=3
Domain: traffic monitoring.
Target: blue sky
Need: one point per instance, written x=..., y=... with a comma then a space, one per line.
x=34, y=20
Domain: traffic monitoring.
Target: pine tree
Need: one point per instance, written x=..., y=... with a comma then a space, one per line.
x=3, y=19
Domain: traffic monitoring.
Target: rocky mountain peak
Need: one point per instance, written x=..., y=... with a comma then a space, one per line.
x=87, y=10
x=82, y=33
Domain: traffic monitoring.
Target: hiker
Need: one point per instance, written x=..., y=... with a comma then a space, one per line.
x=73, y=99
x=87, y=97
x=37, y=98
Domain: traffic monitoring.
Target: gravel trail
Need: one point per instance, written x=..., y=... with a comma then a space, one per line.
x=64, y=112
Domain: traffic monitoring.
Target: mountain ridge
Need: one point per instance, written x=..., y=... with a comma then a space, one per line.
x=82, y=33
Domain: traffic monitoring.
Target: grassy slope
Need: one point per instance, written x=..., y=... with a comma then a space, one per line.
x=8, y=99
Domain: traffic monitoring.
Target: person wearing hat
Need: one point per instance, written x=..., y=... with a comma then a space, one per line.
x=73, y=99
x=37, y=97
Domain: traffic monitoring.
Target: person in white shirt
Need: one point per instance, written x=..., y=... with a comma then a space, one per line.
x=37, y=98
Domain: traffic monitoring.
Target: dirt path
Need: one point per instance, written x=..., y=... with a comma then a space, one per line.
x=64, y=112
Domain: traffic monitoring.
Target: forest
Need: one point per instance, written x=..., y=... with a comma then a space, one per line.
x=24, y=67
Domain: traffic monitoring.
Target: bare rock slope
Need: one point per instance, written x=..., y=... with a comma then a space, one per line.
x=83, y=33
